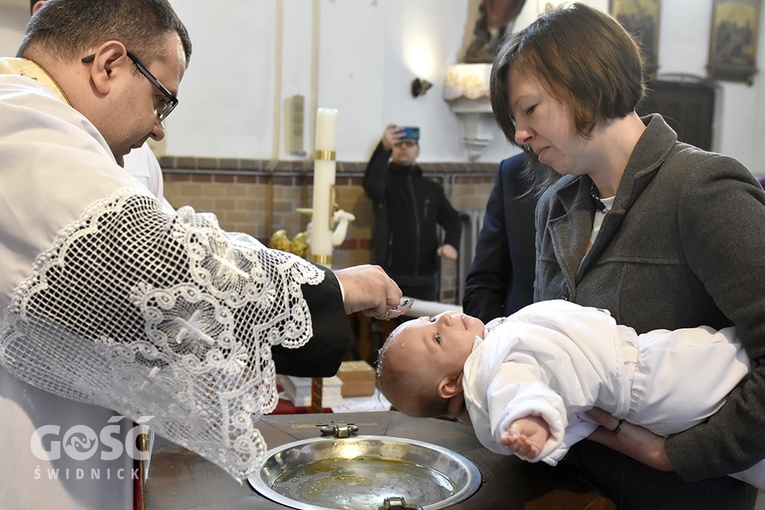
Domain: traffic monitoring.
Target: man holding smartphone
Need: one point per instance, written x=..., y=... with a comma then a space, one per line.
x=408, y=209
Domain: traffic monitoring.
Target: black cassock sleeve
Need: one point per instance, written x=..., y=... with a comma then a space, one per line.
x=322, y=355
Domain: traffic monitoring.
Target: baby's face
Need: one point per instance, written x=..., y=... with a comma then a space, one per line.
x=442, y=342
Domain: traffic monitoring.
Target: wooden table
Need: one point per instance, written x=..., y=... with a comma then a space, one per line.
x=180, y=479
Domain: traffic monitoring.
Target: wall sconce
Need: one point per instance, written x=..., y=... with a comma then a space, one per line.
x=420, y=87
x=466, y=88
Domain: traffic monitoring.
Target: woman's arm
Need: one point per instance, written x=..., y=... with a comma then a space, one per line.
x=632, y=440
x=723, y=235
x=721, y=224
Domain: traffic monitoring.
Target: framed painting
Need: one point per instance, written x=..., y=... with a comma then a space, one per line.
x=641, y=18
x=733, y=41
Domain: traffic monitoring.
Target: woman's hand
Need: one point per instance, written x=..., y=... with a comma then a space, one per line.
x=632, y=440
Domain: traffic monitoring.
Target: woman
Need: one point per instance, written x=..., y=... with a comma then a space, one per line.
x=660, y=233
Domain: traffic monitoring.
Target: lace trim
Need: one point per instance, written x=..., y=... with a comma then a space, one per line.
x=165, y=316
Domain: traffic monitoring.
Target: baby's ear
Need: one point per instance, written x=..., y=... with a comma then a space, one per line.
x=450, y=386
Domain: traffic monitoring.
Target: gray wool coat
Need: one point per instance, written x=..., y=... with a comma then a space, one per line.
x=683, y=246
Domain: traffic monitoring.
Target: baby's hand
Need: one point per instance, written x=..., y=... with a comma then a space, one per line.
x=526, y=436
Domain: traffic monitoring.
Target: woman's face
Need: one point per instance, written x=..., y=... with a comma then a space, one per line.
x=546, y=124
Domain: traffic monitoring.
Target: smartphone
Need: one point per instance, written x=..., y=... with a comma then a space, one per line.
x=411, y=133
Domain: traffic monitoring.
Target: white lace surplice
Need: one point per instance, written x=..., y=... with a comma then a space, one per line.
x=155, y=315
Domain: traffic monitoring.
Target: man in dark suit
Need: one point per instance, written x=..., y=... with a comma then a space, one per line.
x=501, y=278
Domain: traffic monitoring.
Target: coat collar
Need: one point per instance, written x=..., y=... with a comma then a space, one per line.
x=572, y=210
x=647, y=157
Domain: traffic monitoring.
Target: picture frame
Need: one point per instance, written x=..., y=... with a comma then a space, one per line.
x=642, y=20
x=733, y=40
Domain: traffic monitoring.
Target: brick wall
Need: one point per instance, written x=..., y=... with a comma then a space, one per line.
x=259, y=197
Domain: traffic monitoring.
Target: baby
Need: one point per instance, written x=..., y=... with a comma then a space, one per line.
x=525, y=381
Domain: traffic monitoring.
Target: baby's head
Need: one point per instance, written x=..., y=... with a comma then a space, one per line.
x=419, y=368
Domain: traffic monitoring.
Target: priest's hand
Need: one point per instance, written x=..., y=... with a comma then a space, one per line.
x=368, y=289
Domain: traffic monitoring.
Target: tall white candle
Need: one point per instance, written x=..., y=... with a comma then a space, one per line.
x=323, y=186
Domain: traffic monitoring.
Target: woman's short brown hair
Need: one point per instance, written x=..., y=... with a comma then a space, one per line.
x=583, y=55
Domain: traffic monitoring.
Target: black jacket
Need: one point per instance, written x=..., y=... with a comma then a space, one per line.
x=407, y=209
x=501, y=278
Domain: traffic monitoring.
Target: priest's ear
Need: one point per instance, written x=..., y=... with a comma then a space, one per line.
x=109, y=57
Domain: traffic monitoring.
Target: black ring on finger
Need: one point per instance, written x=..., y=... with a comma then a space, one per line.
x=618, y=427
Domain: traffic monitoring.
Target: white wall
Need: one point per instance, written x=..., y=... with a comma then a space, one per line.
x=13, y=19
x=361, y=60
x=359, y=56
x=226, y=97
